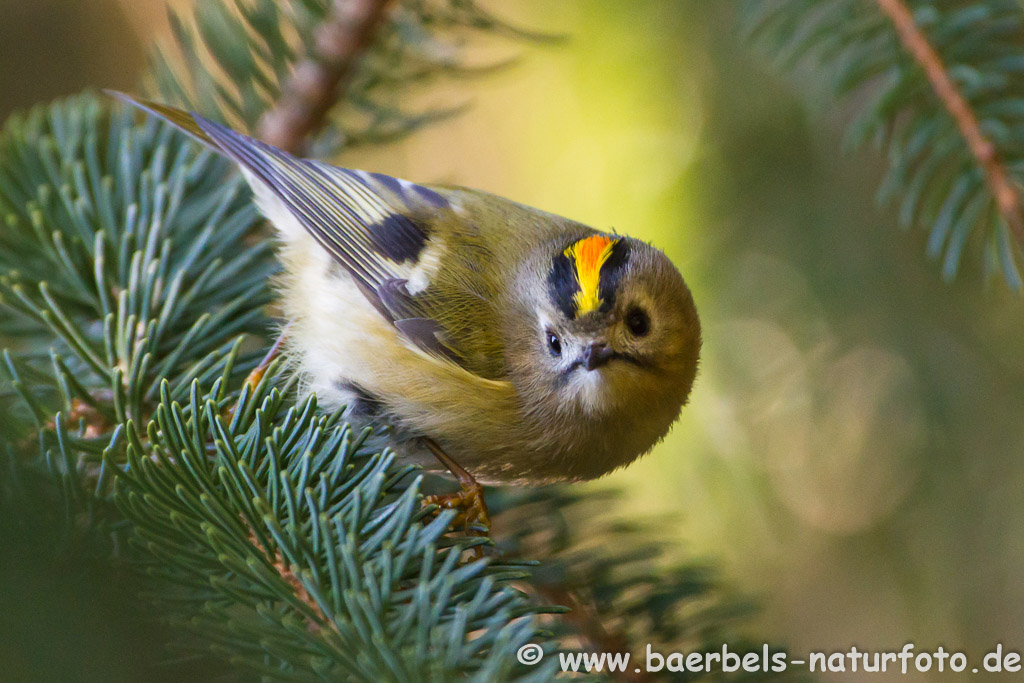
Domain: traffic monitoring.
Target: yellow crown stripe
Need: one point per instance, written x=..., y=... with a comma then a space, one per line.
x=588, y=255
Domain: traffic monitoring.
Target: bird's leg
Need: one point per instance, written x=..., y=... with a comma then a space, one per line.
x=254, y=377
x=469, y=502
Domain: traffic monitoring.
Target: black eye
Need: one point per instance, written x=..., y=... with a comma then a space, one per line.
x=554, y=344
x=637, y=322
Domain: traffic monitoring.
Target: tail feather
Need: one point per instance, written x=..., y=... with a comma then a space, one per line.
x=259, y=159
x=182, y=120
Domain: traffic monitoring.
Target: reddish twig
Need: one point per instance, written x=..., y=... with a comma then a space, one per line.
x=318, y=81
x=277, y=561
x=589, y=626
x=1007, y=196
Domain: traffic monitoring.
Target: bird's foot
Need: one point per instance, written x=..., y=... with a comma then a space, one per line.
x=253, y=379
x=471, y=509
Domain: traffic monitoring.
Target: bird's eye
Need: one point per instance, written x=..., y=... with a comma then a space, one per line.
x=554, y=344
x=637, y=322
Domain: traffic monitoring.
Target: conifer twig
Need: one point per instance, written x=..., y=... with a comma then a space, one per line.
x=317, y=82
x=590, y=627
x=1007, y=196
x=277, y=561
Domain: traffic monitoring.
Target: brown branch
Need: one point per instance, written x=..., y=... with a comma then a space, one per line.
x=277, y=561
x=1007, y=196
x=589, y=626
x=316, y=83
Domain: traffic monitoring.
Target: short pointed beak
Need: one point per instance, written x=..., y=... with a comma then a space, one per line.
x=596, y=354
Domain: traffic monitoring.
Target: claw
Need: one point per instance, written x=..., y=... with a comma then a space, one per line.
x=472, y=513
x=253, y=379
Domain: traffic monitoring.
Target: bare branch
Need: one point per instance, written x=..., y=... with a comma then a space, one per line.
x=317, y=82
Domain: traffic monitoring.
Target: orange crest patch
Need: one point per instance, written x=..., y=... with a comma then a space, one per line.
x=588, y=255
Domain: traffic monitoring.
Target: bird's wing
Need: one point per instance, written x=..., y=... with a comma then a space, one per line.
x=384, y=232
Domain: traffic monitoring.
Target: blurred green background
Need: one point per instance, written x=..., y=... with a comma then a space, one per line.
x=851, y=452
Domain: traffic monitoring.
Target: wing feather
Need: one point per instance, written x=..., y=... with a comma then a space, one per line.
x=377, y=228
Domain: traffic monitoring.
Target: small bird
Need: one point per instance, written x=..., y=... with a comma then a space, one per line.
x=512, y=345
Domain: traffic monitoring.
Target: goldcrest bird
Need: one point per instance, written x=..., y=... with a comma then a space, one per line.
x=513, y=344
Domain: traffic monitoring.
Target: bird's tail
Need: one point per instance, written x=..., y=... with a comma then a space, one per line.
x=258, y=160
x=184, y=121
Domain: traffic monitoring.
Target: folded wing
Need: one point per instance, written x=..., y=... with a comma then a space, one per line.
x=379, y=228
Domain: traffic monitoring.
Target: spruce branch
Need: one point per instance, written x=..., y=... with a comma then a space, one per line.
x=290, y=577
x=940, y=82
x=623, y=591
x=320, y=76
x=119, y=267
x=1006, y=193
x=587, y=624
x=300, y=551
x=285, y=541
x=312, y=89
x=275, y=534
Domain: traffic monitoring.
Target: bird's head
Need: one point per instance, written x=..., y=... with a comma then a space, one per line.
x=611, y=331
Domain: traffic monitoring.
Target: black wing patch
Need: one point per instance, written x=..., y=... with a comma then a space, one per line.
x=348, y=214
x=400, y=238
x=371, y=224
